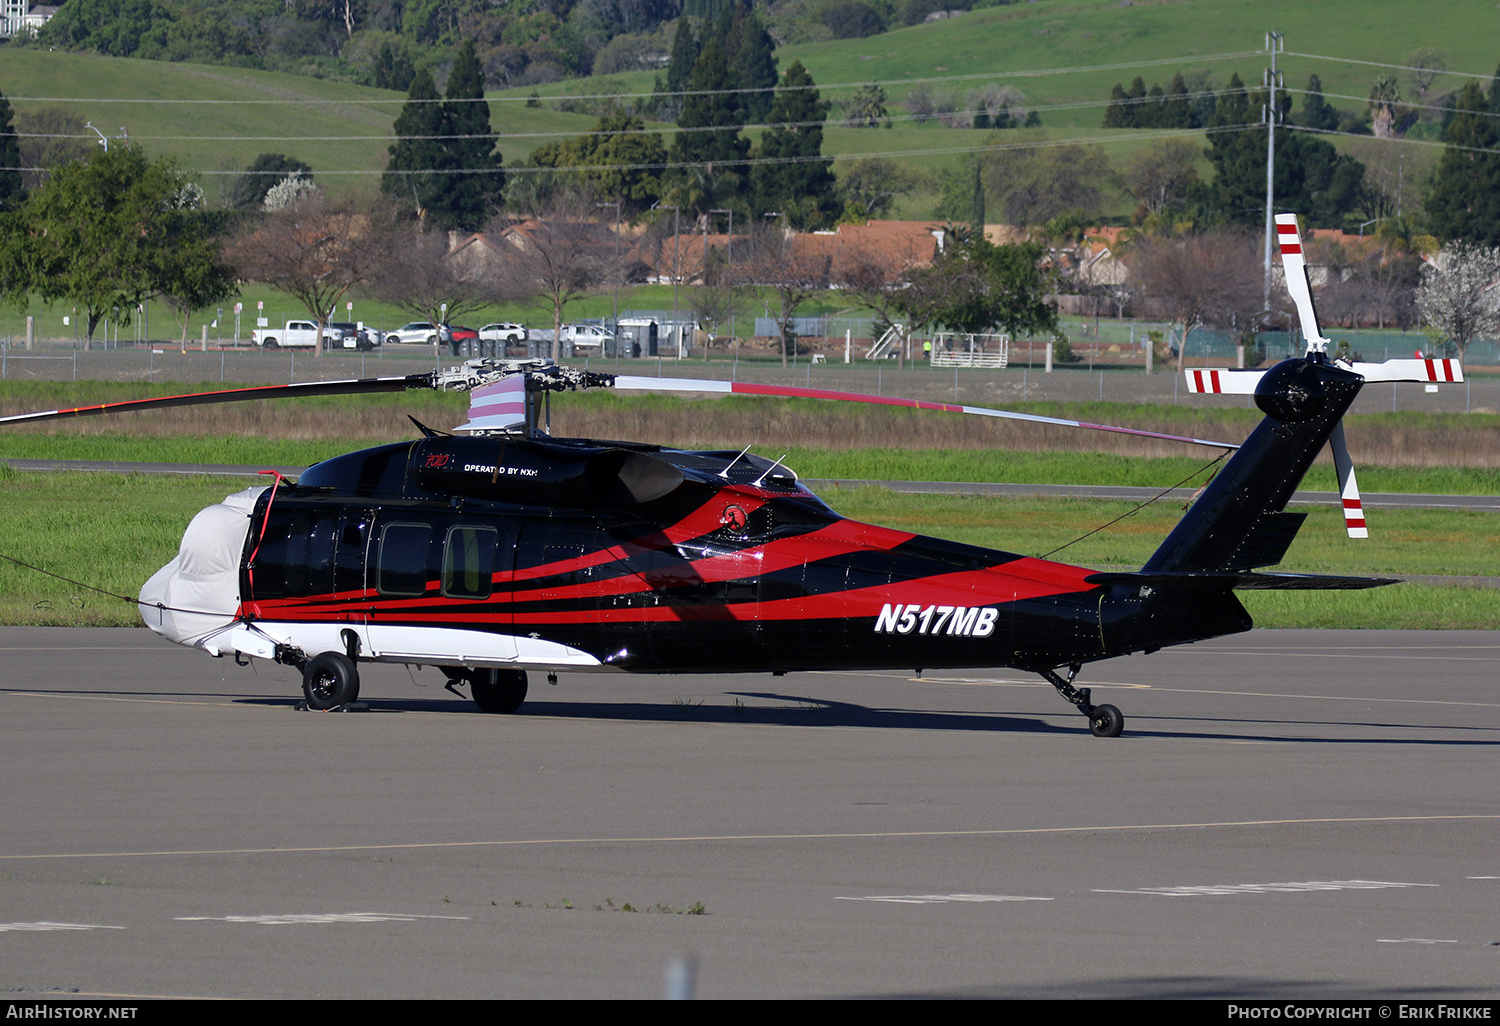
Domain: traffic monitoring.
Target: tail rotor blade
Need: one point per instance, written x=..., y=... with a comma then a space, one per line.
x=1354, y=511
x=1296, y=280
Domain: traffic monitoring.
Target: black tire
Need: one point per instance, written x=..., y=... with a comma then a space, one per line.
x=498, y=691
x=432, y=340
x=330, y=680
x=1106, y=721
x=393, y=340
x=269, y=343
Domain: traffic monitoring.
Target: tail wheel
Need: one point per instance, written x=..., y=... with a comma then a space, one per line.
x=330, y=680
x=1106, y=721
x=498, y=691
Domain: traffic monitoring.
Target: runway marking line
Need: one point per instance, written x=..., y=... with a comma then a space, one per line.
x=44, y=927
x=939, y=899
x=859, y=836
x=314, y=918
x=1298, y=887
x=1411, y=940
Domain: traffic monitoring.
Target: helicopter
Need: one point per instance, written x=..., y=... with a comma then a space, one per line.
x=499, y=549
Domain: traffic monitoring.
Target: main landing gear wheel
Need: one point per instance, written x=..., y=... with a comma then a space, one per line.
x=498, y=691
x=330, y=680
x=1106, y=721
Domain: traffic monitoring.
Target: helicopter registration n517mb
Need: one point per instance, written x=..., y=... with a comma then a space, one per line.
x=507, y=550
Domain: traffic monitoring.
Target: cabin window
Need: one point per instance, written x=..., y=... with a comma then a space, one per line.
x=401, y=567
x=468, y=562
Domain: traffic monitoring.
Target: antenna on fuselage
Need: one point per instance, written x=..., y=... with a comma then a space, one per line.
x=725, y=472
x=761, y=479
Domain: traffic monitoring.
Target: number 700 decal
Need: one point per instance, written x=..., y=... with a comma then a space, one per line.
x=967, y=621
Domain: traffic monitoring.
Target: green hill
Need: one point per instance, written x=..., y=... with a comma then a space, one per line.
x=217, y=119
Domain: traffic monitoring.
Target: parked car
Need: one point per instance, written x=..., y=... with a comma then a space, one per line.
x=416, y=331
x=503, y=332
x=294, y=335
x=341, y=335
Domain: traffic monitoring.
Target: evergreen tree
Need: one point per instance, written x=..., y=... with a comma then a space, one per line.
x=475, y=183
x=685, y=50
x=416, y=155
x=1175, y=112
x=1117, y=114
x=444, y=156
x=976, y=204
x=711, y=138
x=1316, y=113
x=1465, y=199
x=800, y=183
x=752, y=66
x=1150, y=112
x=11, y=191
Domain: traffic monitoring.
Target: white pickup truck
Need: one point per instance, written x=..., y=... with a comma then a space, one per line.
x=296, y=335
x=582, y=336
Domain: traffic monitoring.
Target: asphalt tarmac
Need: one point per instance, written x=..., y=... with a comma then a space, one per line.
x=1288, y=815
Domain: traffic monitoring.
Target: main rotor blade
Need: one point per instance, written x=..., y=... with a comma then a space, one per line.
x=348, y=386
x=645, y=384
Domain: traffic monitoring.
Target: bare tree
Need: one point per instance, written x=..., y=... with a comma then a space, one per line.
x=1458, y=295
x=1387, y=286
x=1159, y=177
x=1211, y=279
x=315, y=250
x=50, y=135
x=1425, y=64
x=786, y=270
x=560, y=252
x=878, y=280
x=418, y=270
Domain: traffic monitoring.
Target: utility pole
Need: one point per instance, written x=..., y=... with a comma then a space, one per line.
x=729, y=269
x=1270, y=113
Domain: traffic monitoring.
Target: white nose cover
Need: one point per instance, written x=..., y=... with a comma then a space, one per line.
x=197, y=594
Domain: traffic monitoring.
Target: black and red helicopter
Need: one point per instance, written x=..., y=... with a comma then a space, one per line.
x=501, y=550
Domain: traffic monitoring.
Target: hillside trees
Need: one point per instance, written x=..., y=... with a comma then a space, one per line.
x=618, y=158
x=1464, y=203
x=1311, y=176
x=49, y=137
x=113, y=229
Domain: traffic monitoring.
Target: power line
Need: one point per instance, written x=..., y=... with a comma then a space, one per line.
x=975, y=76
x=1378, y=64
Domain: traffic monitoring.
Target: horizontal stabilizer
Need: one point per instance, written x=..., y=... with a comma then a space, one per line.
x=1227, y=382
x=1166, y=580
x=1411, y=370
x=1218, y=381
